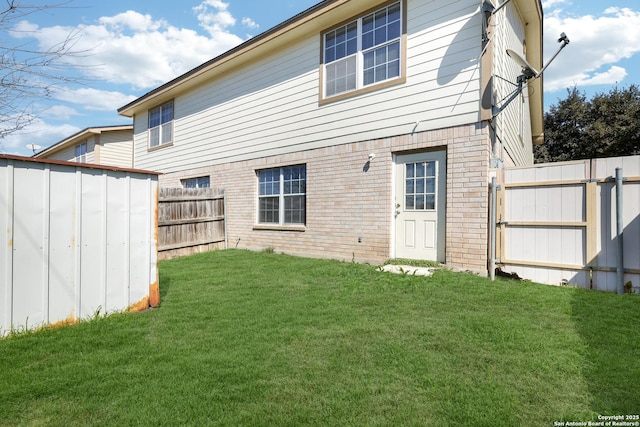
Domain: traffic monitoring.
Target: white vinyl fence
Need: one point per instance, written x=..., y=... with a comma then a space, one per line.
x=76, y=241
x=556, y=223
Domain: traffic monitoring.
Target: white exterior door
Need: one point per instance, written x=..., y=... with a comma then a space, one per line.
x=420, y=206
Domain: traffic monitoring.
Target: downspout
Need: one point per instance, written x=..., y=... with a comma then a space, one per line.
x=488, y=11
x=497, y=147
x=619, y=233
x=492, y=229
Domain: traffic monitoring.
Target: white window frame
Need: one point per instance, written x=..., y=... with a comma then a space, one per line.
x=359, y=54
x=164, y=127
x=426, y=193
x=282, y=196
x=80, y=152
x=197, y=182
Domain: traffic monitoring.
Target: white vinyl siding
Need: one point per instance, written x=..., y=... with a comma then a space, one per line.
x=116, y=148
x=270, y=106
x=67, y=155
x=109, y=146
x=514, y=122
x=73, y=153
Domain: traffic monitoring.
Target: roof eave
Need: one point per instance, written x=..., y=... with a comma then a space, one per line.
x=531, y=11
x=296, y=21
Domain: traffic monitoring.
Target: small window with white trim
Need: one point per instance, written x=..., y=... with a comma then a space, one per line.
x=282, y=195
x=364, y=52
x=81, y=152
x=199, y=182
x=161, y=125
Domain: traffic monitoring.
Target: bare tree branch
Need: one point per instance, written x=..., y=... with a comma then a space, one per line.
x=28, y=74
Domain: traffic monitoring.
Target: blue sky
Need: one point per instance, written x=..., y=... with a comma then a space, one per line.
x=132, y=46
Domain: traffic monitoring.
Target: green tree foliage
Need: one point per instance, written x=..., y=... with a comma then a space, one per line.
x=608, y=125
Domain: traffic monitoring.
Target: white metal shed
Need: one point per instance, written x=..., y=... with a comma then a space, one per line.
x=77, y=240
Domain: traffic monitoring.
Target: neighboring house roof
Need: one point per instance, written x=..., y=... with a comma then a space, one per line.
x=313, y=21
x=78, y=138
x=84, y=165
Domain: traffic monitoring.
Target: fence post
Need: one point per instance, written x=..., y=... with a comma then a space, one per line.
x=592, y=201
x=619, y=233
x=224, y=213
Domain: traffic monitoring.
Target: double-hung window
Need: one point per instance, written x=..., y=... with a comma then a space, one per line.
x=161, y=125
x=363, y=52
x=81, y=153
x=282, y=195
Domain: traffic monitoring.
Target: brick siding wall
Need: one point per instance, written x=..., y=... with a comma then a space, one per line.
x=349, y=199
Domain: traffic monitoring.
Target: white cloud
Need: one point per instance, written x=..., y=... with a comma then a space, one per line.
x=93, y=99
x=214, y=16
x=549, y=4
x=598, y=43
x=250, y=23
x=59, y=112
x=614, y=74
x=40, y=133
x=132, y=48
x=132, y=20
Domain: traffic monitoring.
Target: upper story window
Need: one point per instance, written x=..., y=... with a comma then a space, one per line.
x=161, y=125
x=81, y=153
x=363, y=52
x=199, y=182
x=282, y=195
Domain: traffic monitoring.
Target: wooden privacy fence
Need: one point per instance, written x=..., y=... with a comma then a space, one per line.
x=556, y=223
x=190, y=220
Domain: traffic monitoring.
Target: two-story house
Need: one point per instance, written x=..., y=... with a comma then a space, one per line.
x=358, y=129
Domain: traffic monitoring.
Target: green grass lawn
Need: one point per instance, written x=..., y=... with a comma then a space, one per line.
x=258, y=339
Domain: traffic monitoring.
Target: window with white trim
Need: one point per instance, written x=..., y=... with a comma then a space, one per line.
x=282, y=195
x=81, y=152
x=199, y=182
x=161, y=125
x=364, y=52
